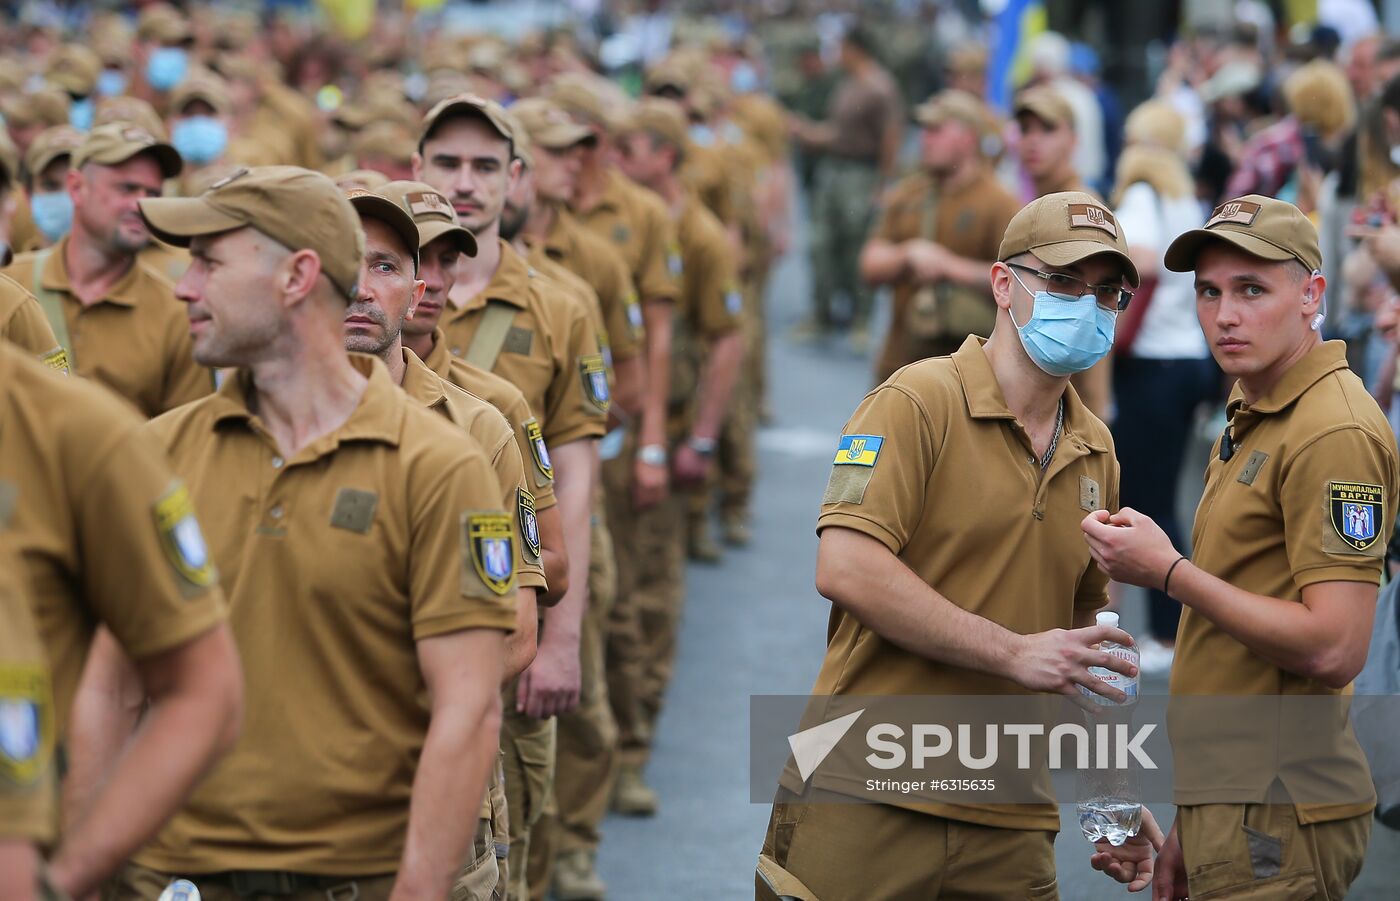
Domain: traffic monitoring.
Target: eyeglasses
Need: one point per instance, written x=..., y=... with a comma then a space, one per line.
x=1113, y=298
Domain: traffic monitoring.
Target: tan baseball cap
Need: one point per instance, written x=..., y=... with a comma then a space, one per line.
x=385, y=140
x=469, y=105
x=372, y=205
x=74, y=68
x=114, y=144
x=47, y=106
x=1046, y=104
x=298, y=208
x=577, y=95
x=128, y=110
x=51, y=144
x=670, y=74
x=958, y=106
x=162, y=23
x=431, y=211
x=1065, y=228
x=548, y=126
x=201, y=85
x=664, y=118
x=1260, y=226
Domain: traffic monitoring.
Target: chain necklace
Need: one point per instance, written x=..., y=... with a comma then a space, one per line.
x=1055, y=438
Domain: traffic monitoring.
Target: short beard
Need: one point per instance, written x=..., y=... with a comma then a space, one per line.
x=513, y=221
x=361, y=344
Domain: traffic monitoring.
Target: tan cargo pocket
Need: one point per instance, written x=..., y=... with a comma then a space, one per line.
x=477, y=881
x=536, y=752
x=774, y=883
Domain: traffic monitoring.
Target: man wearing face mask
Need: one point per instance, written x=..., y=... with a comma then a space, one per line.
x=46, y=168
x=74, y=69
x=163, y=39
x=925, y=605
x=204, y=129
x=116, y=317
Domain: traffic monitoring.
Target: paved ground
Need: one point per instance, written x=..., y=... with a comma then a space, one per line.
x=756, y=625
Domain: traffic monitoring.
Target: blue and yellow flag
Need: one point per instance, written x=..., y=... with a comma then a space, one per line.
x=858, y=450
x=1010, y=64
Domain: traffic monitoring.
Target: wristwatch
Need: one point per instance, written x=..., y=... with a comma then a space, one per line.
x=702, y=446
x=652, y=454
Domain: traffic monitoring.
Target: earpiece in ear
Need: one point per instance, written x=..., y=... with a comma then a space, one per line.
x=1321, y=316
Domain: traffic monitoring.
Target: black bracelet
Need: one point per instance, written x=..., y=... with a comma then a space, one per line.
x=1168, y=580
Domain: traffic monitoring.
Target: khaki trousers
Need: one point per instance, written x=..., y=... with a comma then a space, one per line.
x=874, y=852
x=1261, y=852
x=528, y=744
x=586, y=759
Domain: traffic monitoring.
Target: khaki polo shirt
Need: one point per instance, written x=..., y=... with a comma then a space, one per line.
x=1282, y=514
x=637, y=223
x=707, y=173
x=337, y=561
x=970, y=222
x=489, y=428
x=601, y=266
x=710, y=303
x=27, y=791
x=22, y=322
x=766, y=123
x=105, y=529
x=135, y=341
x=936, y=468
x=505, y=397
x=549, y=353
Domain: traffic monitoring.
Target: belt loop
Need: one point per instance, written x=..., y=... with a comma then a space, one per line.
x=332, y=893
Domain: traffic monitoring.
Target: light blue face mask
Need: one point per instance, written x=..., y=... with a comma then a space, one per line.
x=166, y=67
x=80, y=113
x=1063, y=337
x=199, y=139
x=111, y=83
x=743, y=79
x=53, y=213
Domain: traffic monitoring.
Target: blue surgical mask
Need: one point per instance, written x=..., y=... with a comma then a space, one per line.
x=111, y=83
x=80, y=113
x=1063, y=337
x=166, y=67
x=200, y=139
x=743, y=79
x=53, y=213
x=702, y=135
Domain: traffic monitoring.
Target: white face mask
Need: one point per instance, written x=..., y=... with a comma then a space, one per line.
x=1395, y=154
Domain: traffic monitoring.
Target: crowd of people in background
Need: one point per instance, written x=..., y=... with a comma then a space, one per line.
x=627, y=177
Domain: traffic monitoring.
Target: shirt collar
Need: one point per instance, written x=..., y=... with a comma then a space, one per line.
x=510, y=283
x=1327, y=357
x=985, y=400
x=378, y=417
x=439, y=359
x=126, y=292
x=420, y=382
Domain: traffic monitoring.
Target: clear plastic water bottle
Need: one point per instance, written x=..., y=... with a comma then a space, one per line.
x=1110, y=806
x=1127, y=684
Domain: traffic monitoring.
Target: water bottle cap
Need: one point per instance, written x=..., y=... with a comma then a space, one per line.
x=1107, y=618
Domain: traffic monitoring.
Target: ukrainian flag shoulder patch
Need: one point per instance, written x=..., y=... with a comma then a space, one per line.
x=858, y=450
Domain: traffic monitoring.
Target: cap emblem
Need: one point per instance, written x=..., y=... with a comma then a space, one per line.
x=1241, y=212
x=1085, y=215
x=425, y=203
